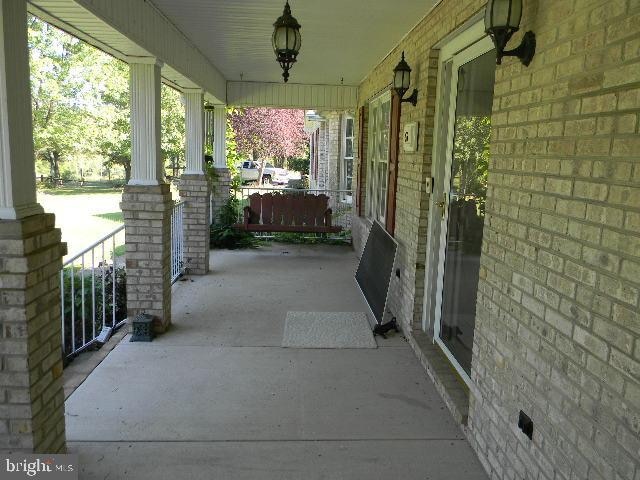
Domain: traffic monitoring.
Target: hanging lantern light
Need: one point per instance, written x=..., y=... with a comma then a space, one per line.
x=286, y=40
x=402, y=82
x=501, y=21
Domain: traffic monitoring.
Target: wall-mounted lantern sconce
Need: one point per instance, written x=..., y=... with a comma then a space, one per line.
x=402, y=81
x=501, y=21
x=286, y=40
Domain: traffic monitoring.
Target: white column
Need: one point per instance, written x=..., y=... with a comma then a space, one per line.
x=220, y=136
x=194, y=131
x=146, y=157
x=17, y=162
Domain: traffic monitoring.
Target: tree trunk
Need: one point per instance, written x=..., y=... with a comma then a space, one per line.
x=261, y=170
x=127, y=172
x=54, y=165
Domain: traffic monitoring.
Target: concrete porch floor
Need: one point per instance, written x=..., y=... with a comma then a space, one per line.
x=217, y=397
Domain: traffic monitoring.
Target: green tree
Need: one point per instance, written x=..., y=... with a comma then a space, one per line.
x=471, y=157
x=115, y=131
x=173, y=128
x=63, y=96
x=81, y=104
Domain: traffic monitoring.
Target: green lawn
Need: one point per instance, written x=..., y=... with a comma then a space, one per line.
x=74, y=188
x=113, y=216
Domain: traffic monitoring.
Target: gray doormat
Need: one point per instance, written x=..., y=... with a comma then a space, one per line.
x=327, y=330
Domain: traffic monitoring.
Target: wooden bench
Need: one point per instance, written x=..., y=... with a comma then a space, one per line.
x=288, y=212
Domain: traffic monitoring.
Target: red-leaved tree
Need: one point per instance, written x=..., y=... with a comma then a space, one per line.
x=272, y=133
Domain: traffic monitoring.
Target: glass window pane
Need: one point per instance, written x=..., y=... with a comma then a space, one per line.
x=467, y=198
x=349, y=128
x=348, y=148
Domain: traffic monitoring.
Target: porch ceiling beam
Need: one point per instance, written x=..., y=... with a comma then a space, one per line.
x=136, y=28
x=291, y=95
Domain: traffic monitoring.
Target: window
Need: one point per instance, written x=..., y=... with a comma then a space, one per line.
x=378, y=157
x=346, y=168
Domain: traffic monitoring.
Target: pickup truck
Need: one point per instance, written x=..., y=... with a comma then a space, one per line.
x=249, y=171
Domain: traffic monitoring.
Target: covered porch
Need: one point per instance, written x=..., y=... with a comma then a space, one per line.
x=547, y=384
x=218, y=397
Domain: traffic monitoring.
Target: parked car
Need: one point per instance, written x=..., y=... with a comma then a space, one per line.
x=250, y=170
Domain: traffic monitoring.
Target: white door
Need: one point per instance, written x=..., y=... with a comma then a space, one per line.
x=458, y=205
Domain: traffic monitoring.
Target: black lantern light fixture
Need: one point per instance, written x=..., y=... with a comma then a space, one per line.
x=501, y=21
x=402, y=82
x=286, y=40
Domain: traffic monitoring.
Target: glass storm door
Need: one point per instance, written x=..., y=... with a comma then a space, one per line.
x=461, y=203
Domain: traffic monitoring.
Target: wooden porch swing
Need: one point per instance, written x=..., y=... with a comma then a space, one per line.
x=288, y=212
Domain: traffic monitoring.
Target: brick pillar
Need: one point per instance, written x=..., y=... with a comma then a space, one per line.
x=147, y=218
x=221, y=187
x=31, y=395
x=195, y=190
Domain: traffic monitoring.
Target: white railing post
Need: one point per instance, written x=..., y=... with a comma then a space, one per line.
x=98, y=319
x=177, y=242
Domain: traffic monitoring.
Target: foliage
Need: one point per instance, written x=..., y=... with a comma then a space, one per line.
x=173, y=128
x=469, y=180
x=299, y=165
x=471, y=158
x=115, y=133
x=269, y=133
x=223, y=235
x=81, y=106
x=233, y=157
x=83, y=294
x=63, y=94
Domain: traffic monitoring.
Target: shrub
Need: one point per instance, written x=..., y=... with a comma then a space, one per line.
x=299, y=165
x=223, y=235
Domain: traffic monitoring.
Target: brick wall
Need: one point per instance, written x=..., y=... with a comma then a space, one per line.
x=330, y=150
x=195, y=191
x=31, y=397
x=558, y=320
x=147, y=218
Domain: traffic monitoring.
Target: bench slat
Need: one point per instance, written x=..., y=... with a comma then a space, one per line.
x=279, y=209
x=288, y=212
x=267, y=209
x=298, y=211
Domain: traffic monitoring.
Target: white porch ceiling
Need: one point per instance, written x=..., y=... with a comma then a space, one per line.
x=341, y=39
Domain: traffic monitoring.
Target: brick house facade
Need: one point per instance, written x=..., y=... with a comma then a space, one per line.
x=557, y=328
x=328, y=153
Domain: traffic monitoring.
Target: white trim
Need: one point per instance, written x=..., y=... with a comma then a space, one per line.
x=343, y=158
x=463, y=40
x=220, y=136
x=23, y=211
x=144, y=61
x=464, y=375
x=292, y=95
x=139, y=181
x=193, y=90
x=464, y=47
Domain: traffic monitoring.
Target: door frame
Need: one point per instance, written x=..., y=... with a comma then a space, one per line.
x=462, y=49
